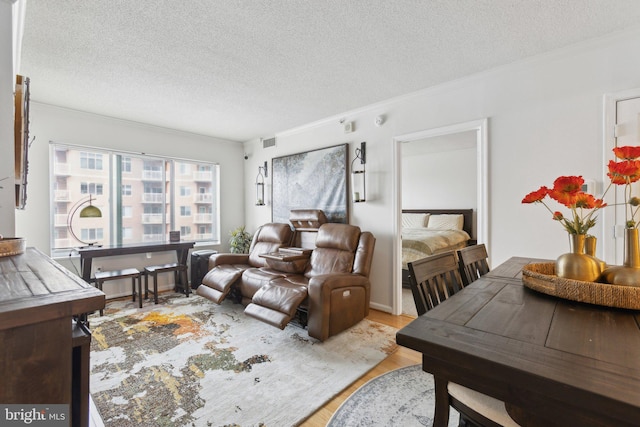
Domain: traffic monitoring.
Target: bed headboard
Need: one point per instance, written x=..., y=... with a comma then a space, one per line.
x=467, y=215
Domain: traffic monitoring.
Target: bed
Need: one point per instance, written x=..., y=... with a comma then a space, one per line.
x=428, y=232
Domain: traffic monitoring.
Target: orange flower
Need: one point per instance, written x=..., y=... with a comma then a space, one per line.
x=536, y=196
x=568, y=184
x=627, y=153
x=567, y=190
x=626, y=172
x=567, y=199
x=587, y=201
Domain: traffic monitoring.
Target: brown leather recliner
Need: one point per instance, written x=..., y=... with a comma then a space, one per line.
x=334, y=289
x=225, y=269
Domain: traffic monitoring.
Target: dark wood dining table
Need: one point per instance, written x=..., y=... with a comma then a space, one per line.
x=552, y=361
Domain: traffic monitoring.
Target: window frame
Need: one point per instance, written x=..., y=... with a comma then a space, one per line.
x=110, y=162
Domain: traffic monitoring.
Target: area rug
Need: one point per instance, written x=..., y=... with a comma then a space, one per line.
x=403, y=397
x=189, y=362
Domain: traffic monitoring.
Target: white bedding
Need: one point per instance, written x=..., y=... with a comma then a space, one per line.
x=418, y=243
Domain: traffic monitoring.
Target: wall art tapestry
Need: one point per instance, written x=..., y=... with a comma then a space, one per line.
x=314, y=179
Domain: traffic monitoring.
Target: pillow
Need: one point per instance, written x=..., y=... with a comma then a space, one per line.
x=446, y=222
x=414, y=220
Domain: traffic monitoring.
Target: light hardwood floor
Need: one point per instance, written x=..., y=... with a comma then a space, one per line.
x=400, y=358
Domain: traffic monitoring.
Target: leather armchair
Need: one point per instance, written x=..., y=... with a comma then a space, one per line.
x=225, y=269
x=334, y=290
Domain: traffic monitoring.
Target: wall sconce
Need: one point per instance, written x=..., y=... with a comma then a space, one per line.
x=86, y=212
x=260, y=184
x=358, y=186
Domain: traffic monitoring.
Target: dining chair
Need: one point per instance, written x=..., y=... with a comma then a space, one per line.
x=434, y=279
x=474, y=262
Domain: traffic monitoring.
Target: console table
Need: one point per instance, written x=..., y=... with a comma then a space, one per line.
x=45, y=344
x=87, y=254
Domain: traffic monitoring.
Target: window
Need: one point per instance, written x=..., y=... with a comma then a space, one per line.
x=144, y=210
x=126, y=164
x=90, y=160
x=91, y=234
x=91, y=188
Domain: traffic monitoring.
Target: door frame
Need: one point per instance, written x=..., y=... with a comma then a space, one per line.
x=609, y=229
x=481, y=128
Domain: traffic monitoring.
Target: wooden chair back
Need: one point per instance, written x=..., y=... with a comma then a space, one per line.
x=474, y=262
x=434, y=279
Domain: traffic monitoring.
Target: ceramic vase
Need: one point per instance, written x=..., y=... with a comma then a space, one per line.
x=577, y=264
x=627, y=274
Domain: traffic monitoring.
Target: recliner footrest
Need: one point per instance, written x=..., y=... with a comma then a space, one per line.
x=276, y=304
x=216, y=284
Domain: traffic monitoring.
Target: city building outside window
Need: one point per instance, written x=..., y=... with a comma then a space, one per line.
x=161, y=194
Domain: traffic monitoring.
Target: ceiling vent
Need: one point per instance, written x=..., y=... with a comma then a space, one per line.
x=269, y=142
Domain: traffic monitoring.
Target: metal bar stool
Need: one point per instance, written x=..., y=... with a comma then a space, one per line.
x=153, y=270
x=134, y=273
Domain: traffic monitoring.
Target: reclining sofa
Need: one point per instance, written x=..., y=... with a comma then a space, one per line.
x=328, y=286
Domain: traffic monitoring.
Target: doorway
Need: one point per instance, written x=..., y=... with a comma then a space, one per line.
x=621, y=128
x=434, y=136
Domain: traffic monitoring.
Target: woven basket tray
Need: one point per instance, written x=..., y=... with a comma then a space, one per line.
x=10, y=246
x=542, y=278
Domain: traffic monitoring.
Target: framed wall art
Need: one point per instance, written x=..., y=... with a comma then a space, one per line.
x=21, y=135
x=314, y=179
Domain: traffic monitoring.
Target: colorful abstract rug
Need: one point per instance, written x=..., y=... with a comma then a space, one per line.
x=189, y=362
x=403, y=397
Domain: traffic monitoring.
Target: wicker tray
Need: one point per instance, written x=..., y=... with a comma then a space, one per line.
x=542, y=278
x=10, y=246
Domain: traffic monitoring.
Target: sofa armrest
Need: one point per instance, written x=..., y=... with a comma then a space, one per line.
x=325, y=283
x=336, y=302
x=218, y=259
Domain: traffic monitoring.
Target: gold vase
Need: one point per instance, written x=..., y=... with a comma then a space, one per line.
x=627, y=274
x=590, y=244
x=577, y=264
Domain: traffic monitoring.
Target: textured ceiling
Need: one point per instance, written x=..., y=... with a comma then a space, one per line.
x=241, y=69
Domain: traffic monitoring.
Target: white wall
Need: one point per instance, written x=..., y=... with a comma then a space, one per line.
x=49, y=123
x=7, y=193
x=545, y=120
x=440, y=172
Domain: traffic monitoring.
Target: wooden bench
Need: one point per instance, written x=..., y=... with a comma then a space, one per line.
x=134, y=273
x=154, y=270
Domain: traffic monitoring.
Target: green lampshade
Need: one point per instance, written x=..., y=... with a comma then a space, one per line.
x=90, y=212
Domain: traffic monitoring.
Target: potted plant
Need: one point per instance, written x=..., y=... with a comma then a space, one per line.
x=240, y=241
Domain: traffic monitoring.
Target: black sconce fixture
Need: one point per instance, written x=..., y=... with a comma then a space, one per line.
x=260, y=184
x=358, y=186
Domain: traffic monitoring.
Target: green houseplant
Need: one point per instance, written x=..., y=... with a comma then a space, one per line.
x=240, y=241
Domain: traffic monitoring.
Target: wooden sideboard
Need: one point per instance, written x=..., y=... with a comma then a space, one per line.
x=45, y=342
